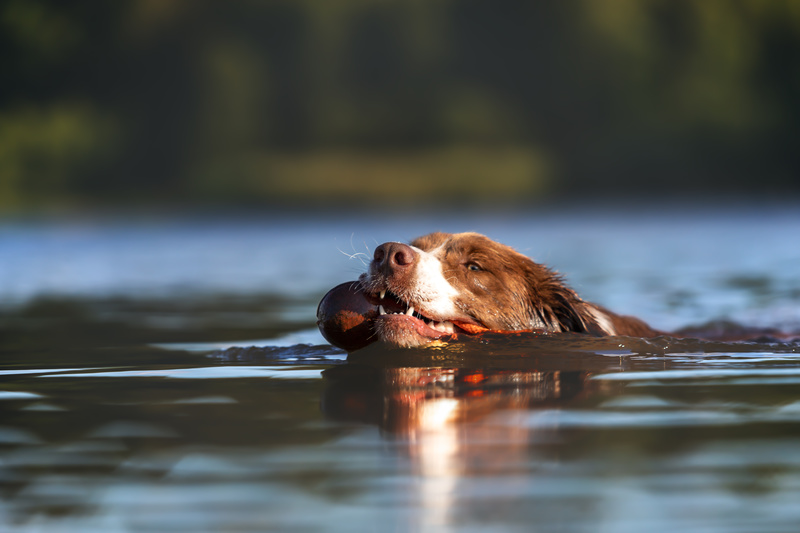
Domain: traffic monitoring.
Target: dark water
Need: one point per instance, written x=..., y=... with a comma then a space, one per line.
x=166, y=375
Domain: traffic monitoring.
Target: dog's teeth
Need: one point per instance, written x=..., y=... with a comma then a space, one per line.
x=444, y=327
x=410, y=311
x=383, y=294
x=381, y=310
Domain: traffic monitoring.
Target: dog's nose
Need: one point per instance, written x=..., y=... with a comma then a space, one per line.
x=394, y=256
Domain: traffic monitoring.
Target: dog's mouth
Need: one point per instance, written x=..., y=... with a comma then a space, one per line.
x=401, y=321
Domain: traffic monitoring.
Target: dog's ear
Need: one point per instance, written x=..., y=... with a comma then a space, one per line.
x=558, y=306
x=572, y=314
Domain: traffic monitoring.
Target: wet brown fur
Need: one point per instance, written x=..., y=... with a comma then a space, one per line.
x=505, y=290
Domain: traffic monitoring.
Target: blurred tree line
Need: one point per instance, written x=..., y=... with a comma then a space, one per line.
x=309, y=101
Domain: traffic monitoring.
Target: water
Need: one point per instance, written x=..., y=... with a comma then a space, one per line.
x=166, y=375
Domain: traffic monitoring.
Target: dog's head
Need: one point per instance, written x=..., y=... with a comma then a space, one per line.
x=445, y=283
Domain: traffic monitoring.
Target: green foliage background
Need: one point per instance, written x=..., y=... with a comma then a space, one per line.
x=309, y=102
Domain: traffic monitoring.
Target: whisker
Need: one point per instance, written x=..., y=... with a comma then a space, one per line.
x=361, y=256
x=353, y=246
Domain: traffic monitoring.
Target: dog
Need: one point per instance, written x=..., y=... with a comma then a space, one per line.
x=465, y=283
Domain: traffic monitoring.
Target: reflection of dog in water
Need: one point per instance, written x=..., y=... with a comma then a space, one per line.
x=441, y=421
x=410, y=399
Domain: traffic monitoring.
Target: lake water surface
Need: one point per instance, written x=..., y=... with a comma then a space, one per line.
x=166, y=374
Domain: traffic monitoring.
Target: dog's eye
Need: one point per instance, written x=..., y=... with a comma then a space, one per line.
x=474, y=267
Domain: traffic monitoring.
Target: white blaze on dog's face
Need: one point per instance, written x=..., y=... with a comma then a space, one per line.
x=428, y=288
